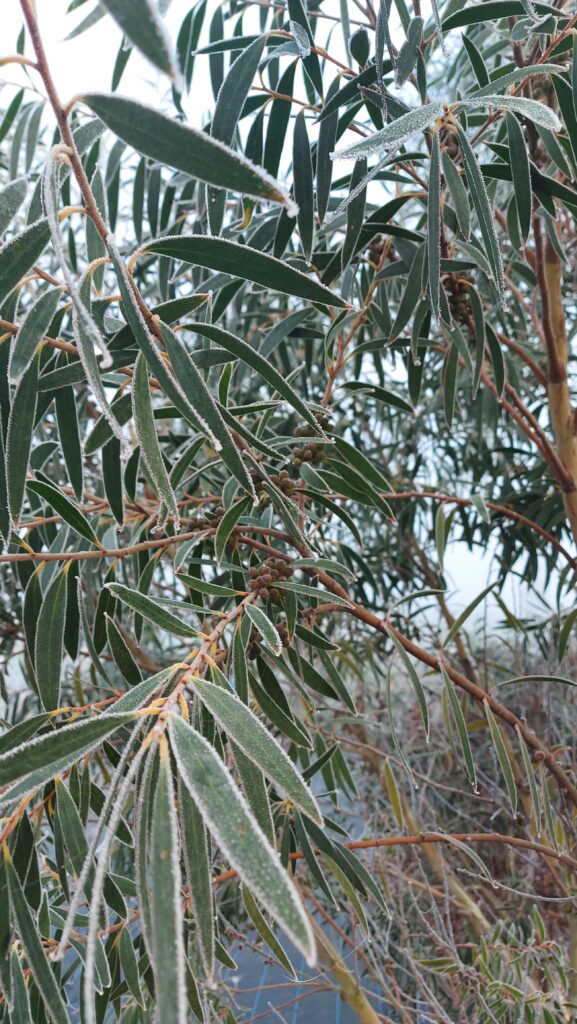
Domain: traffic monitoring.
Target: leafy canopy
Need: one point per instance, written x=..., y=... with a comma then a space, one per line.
x=257, y=375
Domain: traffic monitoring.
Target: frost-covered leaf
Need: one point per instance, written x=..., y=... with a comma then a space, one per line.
x=53, y=751
x=248, y=732
x=31, y=332
x=534, y=111
x=434, y=228
x=244, y=262
x=18, y=255
x=482, y=206
x=227, y=815
x=37, y=960
x=147, y=437
x=166, y=937
x=143, y=26
x=11, y=198
x=394, y=134
x=50, y=641
x=152, y=610
x=19, y=438
x=265, y=628
x=184, y=148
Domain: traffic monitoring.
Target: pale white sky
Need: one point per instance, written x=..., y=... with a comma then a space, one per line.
x=86, y=63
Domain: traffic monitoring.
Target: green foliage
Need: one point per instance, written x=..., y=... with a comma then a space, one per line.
x=262, y=375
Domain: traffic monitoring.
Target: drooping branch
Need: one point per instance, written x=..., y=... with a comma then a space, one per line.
x=447, y=838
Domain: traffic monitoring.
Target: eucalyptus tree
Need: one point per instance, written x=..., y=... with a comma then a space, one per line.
x=257, y=375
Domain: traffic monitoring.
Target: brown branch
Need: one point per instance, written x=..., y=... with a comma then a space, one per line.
x=540, y=751
x=439, y=837
x=563, y=415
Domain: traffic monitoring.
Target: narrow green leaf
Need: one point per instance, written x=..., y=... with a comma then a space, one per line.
x=11, y=198
x=69, y=434
x=143, y=813
x=337, y=510
x=394, y=134
x=325, y=145
x=462, y=730
x=355, y=207
x=470, y=853
x=19, y=438
x=497, y=360
x=20, y=253
x=186, y=149
x=482, y=206
x=54, y=751
x=565, y=633
x=531, y=780
x=266, y=934
x=65, y=508
x=280, y=113
x=71, y=826
x=152, y=611
x=121, y=653
x=148, y=440
x=227, y=525
x=315, y=592
x=197, y=865
x=207, y=411
x=35, y=955
x=379, y=393
x=413, y=676
x=255, y=789
x=502, y=756
x=326, y=564
x=534, y=111
x=409, y=52
x=345, y=883
x=248, y=733
x=166, y=938
x=244, y=262
x=215, y=589
x=265, y=628
x=303, y=184
x=242, y=350
x=462, y=618
x=517, y=75
x=20, y=1012
x=112, y=478
x=458, y=194
x=411, y=294
x=228, y=108
x=129, y=965
x=493, y=10
x=393, y=793
x=434, y=228
x=49, y=643
x=519, y=160
x=142, y=25
x=228, y=818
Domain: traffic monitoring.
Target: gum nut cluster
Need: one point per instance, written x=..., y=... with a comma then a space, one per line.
x=264, y=576
x=312, y=452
